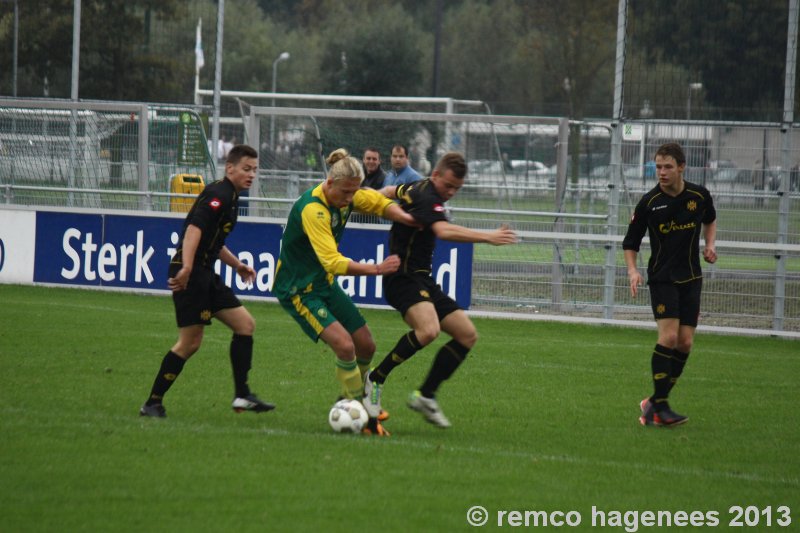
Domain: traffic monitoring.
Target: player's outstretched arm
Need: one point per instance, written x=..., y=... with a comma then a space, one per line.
x=453, y=232
x=388, y=266
x=390, y=191
x=395, y=213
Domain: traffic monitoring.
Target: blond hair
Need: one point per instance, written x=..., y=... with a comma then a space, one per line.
x=341, y=166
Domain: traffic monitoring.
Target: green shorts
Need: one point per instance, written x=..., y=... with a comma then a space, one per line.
x=320, y=308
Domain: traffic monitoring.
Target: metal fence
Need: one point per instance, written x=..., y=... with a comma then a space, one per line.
x=98, y=155
x=557, y=182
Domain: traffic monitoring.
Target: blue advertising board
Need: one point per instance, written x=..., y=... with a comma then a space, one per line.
x=134, y=252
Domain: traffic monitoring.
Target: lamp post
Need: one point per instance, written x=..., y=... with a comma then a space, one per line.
x=692, y=87
x=283, y=57
x=646, y=113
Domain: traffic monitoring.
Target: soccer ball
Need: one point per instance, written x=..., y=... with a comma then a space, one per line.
x=348, y=416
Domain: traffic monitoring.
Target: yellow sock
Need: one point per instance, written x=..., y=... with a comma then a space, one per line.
x=349, y=376
x=363, y=366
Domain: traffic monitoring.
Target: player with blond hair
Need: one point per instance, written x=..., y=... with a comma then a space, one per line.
x=310, y=260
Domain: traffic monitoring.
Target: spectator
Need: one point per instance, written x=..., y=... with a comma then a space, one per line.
x=401, y=172
x=374, y=175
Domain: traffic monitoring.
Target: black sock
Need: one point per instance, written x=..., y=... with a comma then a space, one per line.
x=241, y=360
x=171, y=366
x=448, y=358
x=407, y=346
x=678, y=362
x=661, y=364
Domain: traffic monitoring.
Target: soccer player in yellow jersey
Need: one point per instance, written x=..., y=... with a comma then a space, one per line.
x=310, y=258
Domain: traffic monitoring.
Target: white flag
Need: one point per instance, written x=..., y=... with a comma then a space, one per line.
x=200, y=59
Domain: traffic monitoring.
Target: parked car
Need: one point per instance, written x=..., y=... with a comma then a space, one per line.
x=521, y=166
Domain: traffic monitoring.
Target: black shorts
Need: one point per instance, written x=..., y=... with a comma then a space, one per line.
x=677, y=300
x=202, y=298
x=405, y=290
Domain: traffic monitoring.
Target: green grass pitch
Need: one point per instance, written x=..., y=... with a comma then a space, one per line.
x=544, y=418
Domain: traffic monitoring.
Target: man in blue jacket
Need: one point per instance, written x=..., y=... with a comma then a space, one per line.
x=401, y=172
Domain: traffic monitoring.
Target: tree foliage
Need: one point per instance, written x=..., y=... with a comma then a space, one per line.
x=520, y=56
x=380, y=58
x=501, y=73
x=735, y=48
x=116, y=59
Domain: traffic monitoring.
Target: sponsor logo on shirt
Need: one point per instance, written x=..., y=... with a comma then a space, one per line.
x=672, y=226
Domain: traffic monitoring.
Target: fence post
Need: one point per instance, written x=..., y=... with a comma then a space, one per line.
x=610, y=269
x=145, y=203
x=558, y=226
x=786, y=147
x=254, y=140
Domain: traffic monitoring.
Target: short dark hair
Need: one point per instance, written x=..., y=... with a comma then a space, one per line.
x=403, y=147
x=372, y=149
x=453, y=161
x=673, y=150
x=239, y=151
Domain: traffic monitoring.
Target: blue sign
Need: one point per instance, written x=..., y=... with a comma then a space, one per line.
x=135, y=251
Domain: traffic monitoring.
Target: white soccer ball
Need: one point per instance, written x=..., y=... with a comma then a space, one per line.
x=348, y=416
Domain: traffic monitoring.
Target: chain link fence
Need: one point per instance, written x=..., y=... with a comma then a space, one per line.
x=101, y=155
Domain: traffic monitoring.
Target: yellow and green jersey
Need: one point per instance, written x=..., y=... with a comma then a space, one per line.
x=310, y=256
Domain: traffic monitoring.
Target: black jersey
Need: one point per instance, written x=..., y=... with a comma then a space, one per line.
x=214, y=212
x=673, y=225
x=415, y=246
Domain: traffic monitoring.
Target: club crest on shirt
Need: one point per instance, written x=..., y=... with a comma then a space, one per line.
x=691, y=205
x=335, y=219
x=215, y=203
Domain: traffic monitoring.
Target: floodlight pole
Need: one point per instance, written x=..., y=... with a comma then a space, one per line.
x=217, y=79
x=283, y=57
x=73, y=121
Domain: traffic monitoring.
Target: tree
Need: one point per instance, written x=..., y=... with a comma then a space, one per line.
x=378, y=58
x=482, y=58
x=575, y=40
x=735, y=36
x=117, y=61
